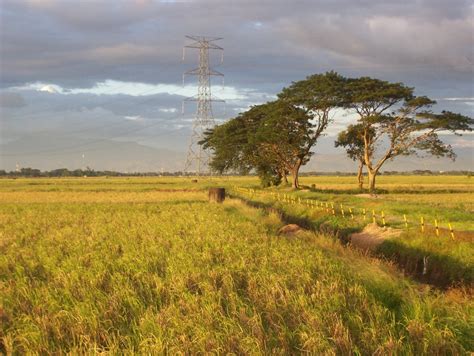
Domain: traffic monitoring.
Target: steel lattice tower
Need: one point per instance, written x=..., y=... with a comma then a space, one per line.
x=198, y=157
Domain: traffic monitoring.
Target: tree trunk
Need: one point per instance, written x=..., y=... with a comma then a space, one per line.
x=295, y=173
x=360, y=176
x=216, y=195
x=372, y=175
x=283, y=176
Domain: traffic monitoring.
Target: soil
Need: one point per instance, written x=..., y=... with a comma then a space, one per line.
x=368, y=196
x=290, y=230
x=372, y=236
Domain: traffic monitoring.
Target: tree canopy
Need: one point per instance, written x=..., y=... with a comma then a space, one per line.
x=392, y=121
x=270, y=138
x=278, y=137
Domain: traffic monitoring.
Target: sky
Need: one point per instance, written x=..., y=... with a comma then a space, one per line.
x=99, y=84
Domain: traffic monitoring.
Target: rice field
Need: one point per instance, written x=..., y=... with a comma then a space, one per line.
x=148, y=265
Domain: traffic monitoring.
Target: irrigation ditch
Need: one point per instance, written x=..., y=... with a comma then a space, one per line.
x=440, y=271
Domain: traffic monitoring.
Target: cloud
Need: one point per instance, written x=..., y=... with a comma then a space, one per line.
x=133, y=41
x=464, y=142
x=133, y=118
x=52, y=89
x=168, y=110
x=11, y=100
x=109, y=60
x=458, y=99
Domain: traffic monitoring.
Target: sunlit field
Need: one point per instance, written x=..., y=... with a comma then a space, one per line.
x=148, y=265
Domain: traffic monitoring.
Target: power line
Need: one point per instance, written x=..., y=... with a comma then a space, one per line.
x=113, y=124
x=62, y=149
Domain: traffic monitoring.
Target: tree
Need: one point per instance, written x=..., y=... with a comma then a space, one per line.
x=316, y=96
x=235, y=148
x=229, y=143
x=352, y=139
x=396, y=122
x=284, y=137
x=271, y=138
x=30, y=172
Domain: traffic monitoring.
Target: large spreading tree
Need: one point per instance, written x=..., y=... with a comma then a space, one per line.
x=278, y=137
x=271, y=139
x=393, y=122
x=318, y=96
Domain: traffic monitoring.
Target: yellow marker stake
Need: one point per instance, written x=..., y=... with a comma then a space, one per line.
x=406, y=221
x=383, y=219
x=342, y=213
x=373, y=216
x=451, y=230
x=365, y=214
x=437, y=227
x=422, y=224
x=327, y=209
x=352, y=215
x=333, y=211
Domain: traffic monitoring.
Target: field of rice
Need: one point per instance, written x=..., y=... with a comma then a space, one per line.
x=148, y=265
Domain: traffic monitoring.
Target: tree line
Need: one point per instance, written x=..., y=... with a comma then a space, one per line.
x=277, y=138
x=64, y=172
x=88, y=172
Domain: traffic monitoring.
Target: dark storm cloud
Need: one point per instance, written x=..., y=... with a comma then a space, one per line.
x=274, y=41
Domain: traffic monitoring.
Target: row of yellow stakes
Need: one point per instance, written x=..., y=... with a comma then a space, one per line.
x=329, y=207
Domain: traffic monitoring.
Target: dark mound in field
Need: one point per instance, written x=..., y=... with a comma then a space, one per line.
x=290, y=230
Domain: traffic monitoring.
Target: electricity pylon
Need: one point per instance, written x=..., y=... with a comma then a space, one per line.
x=204, y=119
